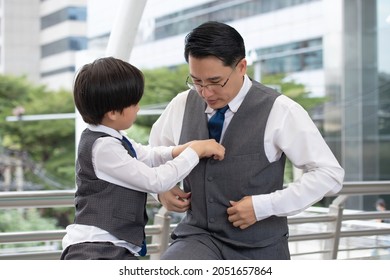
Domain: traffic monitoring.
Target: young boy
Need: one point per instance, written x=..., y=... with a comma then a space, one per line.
x=112, y=176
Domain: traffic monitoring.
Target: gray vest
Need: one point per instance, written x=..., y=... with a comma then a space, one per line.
x=116, y=209
x=245, y=171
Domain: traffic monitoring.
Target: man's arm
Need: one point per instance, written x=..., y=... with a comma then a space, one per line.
x=291, y=131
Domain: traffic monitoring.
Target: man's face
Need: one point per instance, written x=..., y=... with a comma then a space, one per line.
x=216, y=84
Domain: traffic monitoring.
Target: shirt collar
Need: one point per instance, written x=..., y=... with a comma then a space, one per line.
x=102, y=128
x=236, y=102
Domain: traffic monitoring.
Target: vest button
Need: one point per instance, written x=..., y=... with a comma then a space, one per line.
x=210, y=178
x=211, y=200
x=212, y=220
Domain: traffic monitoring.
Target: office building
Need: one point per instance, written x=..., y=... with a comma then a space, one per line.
x=62, y=33
x=39, y=39
x=19, y=38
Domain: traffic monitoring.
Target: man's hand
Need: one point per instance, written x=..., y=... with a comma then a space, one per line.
x=241, y=214
x=175, y=200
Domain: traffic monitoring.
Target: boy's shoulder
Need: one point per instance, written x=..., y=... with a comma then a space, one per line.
x=90, y=135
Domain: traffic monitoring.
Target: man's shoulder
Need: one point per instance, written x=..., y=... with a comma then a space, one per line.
x=179, y=100
x=181, y=96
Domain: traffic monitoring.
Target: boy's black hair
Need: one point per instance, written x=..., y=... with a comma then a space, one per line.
x=215, y=39
x=107, y=84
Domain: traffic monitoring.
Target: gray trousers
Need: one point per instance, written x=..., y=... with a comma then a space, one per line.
x=206, y=247
x=96, y=251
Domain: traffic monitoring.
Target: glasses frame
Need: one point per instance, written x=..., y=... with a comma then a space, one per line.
x=199, y=87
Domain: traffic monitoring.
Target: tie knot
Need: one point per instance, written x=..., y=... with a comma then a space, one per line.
x=223, y=109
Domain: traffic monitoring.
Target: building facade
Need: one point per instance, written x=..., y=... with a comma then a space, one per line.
x=19, y=38
x=63, y=32
x=39, y=39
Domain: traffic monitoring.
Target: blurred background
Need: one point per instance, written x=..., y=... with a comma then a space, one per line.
x=331, y=56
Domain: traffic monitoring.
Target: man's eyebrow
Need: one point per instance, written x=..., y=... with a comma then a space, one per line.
x=208, y=79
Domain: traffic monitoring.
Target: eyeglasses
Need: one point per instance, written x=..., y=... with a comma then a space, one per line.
x=199, y=87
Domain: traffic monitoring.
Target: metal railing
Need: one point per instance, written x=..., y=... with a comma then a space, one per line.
x=328, y=226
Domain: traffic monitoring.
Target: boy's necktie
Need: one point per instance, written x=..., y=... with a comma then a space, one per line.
x=143, y=250
x=130, y=146
x=216, y=123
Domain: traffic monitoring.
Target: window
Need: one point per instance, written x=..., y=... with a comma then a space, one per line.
x=69, y=13
x=66, y=44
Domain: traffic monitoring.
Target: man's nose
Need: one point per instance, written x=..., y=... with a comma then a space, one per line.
x=206, y=92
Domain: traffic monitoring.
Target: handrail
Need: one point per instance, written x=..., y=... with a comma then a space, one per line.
x=337, y=207
x=37, y=199
x=65, y=198
x=365, y=188
x=43, y=199
x=159, y=232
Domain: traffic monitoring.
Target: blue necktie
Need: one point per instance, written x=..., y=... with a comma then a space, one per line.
x=143, y=250
x=216, y=123
x=130, y=146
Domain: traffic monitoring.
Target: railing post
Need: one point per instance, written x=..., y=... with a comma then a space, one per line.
x=162, y=219
x=332, y=245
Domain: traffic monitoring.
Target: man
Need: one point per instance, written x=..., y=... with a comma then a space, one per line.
x=237, y=208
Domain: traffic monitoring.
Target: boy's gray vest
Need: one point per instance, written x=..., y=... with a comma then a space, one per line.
x=244, y=171
x=116, y=209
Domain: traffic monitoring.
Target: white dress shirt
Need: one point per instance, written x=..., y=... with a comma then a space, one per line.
x=289, y=130
x=113, y=164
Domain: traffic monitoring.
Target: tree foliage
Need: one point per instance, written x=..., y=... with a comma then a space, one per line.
x=294, y=90
x=15, y=220
x=48, y=144
x=161, y=85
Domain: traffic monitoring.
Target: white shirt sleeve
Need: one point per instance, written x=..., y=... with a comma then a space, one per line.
x=113, y=164
x=290, y=130
x=167, y=129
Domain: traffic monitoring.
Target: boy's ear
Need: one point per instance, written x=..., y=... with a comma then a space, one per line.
x=112, y=115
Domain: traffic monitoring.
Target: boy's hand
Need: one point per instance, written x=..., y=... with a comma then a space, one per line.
x=208, y=148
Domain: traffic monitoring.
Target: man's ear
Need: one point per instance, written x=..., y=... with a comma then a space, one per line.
x=242, y=65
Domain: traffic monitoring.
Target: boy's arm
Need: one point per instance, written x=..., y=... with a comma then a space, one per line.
x=204, y=148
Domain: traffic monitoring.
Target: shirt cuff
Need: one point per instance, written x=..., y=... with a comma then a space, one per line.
x=191, y=156
x=262, y=205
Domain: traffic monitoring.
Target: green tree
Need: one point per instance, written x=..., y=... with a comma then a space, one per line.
x=294, y=90
x=15, y=220
x=12, y=90
x=161, y=85
x=49, y=145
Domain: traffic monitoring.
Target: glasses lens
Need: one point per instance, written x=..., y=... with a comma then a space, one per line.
x=191, y=85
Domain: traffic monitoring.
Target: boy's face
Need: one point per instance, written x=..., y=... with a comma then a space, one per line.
x=128, y=117
x=121, y=121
